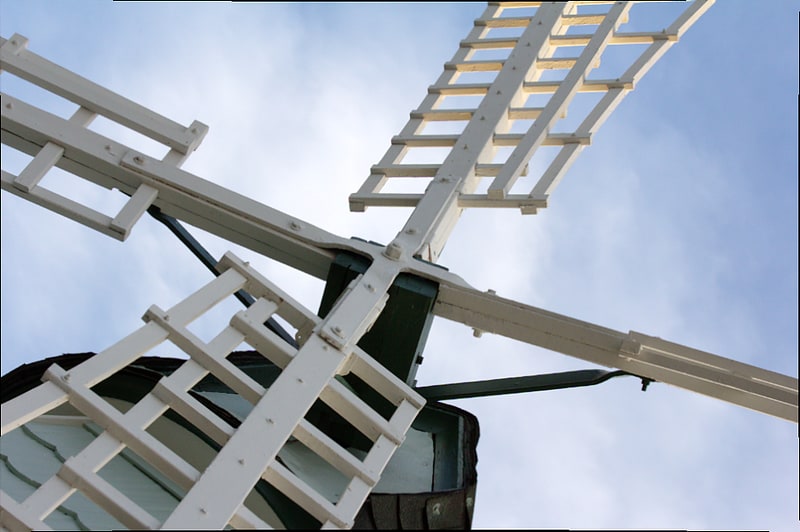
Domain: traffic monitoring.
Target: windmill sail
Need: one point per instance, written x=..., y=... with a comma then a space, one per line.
x=552, y=56
x=489, y=148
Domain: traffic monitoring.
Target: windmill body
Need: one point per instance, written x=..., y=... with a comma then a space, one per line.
x=356, y=325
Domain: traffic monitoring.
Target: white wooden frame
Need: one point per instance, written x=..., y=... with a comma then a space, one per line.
x=328, y=345
x=278, y=413
x=301, y=245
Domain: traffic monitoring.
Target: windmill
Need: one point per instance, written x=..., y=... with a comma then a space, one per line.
x=482, y=340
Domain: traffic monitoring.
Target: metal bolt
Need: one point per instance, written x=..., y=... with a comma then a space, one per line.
x=203, y=511
x=241, y=461
x=270, y=421
x=411, y=231
x=393, y=251
x=138, y=159
x=370, y=287
x=66, y=377
x=299, y=380
x=437, y=508
x=337, y=330
x=296, y=226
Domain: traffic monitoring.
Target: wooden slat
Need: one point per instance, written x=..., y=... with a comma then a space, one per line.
x=504, y=139
x=489, y=65
x=504, y=22
x=443, y=115
x=386, y=199
x=460, y=89
x=593, y=85
x=490, y=43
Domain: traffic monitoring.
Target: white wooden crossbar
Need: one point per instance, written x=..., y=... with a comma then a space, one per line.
x=93, y=100
x=530, y=55
x=309, y=374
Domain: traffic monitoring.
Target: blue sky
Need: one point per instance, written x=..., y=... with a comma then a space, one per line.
x=679, y=221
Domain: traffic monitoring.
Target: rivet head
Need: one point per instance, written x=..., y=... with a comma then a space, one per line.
x=296, y=226
x=337, y=330
x=393, y=251
x=138, y=159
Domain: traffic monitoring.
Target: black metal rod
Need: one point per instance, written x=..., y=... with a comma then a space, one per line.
x=531, y=383
x=206, y=258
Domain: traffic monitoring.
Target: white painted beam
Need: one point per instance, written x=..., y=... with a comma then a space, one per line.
x=647, y=356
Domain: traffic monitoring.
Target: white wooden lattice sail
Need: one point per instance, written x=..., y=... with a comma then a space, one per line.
x=93, y=101
x=506, y=101
x=545, y=59
x=248, y=452
x=503, y=119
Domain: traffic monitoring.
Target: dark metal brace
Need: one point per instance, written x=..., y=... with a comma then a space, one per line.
x=206, y=258
x=531, y=383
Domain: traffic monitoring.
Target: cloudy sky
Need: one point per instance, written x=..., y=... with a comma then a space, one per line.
x=679, y=221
